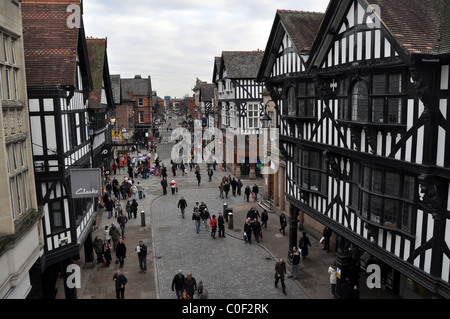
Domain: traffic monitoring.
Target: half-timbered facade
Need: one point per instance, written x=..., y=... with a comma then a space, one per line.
x=206, y=100
x=102, y=109
x=59, y=82
x=241, y=105
x=365, y=137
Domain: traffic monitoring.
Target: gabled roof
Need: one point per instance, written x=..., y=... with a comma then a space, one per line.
x=206, y=92
x=417, y=26
x=50, y=46
x=138, y=86
x=216, y=70
x=98, y=61
x=241, y=64
x=301, y=26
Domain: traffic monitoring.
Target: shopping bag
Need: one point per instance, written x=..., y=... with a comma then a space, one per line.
x=322, y=240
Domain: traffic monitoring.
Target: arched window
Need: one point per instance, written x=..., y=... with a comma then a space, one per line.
x=291, y=102
x=360, y=102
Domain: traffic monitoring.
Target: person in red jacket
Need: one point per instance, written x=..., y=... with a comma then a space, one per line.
x=213, y=225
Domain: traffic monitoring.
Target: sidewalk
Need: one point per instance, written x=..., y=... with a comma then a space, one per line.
x=313, y=275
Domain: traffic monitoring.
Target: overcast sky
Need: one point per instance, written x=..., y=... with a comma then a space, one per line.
x=175, y=41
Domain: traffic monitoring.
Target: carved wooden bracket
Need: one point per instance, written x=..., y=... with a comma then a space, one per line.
x=431, y=195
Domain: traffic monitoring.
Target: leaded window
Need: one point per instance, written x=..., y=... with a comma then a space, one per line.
x=383, y=197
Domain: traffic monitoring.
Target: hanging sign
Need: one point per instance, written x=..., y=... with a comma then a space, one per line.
x=86, y=182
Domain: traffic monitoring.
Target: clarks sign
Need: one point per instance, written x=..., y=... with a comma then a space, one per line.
x=86, y=182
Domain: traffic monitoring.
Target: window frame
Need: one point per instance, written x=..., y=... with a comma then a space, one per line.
x=383, y=106
x=253, y=115
x=367, y=197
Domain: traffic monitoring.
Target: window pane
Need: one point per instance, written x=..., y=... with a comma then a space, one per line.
x=360, y=102
x=302, y=107
x=302, y=89
x=314, y=178
x=365, y=206
x=391, y=210
x=315, y=160
x=291, y=102
x=343, y=109
x=392, y=184
x=355, y=172
x=367, y=177
x=305, y=178
x=377, y=177
x=377, y=110
x=407, y=217
x=305, y=160
x=5, y=48
x=311, y=91
x=395, y=83
x=408, y=188
x=343, y=87
x=394, y=110
x=379, y=84
x=355, y=195
x=311, y=107
x=56, y=213
x=375, y=209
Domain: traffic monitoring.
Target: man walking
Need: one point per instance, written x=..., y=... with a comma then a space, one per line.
x=221, y=224
x=280, y=271
x=121, y=281
x=141, y=250
x=182, y=205
x=164, y=186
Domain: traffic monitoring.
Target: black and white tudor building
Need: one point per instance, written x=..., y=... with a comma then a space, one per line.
x=59, y=82
x=240, y=103
x=363, y=115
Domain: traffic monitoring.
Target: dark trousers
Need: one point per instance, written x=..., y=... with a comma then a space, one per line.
x=221, y=231
x=282, y=282
x=120, y=293
x=164, y=190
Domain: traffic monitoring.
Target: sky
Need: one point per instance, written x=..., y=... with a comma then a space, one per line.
x=175, y=41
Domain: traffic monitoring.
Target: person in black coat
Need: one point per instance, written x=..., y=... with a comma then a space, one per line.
x=256, y=229
x=248, y=229
x=326, y=235
x=121, y=252
x=255, y=190
x=233, y=186
x=178, y=283
x=264, y=219
x=303, y=245
x=226, y=189
x=121, y=281
x=190, y=285
x=247, y=192
x=134, y=206
x=164, y=186
x=221, y=223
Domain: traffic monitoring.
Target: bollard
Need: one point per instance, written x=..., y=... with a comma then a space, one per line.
x=230, y=220
x=142, y=218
